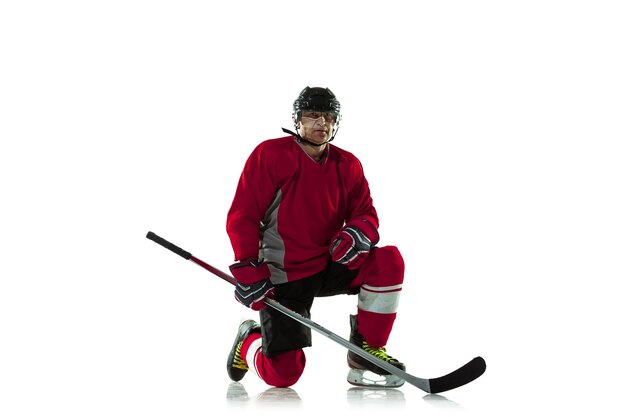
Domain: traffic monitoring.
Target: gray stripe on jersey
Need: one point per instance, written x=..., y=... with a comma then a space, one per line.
x=272, y=245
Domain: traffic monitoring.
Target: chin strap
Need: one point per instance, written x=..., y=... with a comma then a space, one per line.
x=308, y=142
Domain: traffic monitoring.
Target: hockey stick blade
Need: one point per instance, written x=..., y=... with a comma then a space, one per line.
x=465, y=374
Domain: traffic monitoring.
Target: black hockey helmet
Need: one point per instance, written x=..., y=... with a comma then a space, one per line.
x=316, y=99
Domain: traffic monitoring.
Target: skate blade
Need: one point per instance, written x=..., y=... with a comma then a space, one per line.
x=365, y=378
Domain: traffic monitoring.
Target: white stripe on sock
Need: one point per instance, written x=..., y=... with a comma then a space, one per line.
x=378, y=302
x=251, y=354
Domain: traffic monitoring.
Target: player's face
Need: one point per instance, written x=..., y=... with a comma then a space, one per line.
x=316, y=126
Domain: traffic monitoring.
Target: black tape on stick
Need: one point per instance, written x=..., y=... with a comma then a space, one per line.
x=168, y=245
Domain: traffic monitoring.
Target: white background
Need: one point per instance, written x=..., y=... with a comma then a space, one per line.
x=492, y=135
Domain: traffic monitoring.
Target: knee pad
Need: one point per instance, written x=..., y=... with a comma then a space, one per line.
x=281, y=370
x=383, y=267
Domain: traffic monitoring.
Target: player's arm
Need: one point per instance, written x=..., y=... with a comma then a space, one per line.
x=352, y=244
x=254, y=192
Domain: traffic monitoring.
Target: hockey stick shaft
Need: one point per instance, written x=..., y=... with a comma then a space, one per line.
x=461, y=376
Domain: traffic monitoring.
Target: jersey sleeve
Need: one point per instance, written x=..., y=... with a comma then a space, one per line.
x=254, y=192
x=361, y=205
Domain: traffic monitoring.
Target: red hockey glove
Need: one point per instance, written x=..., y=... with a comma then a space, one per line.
x=353, y=243
x=253, y=285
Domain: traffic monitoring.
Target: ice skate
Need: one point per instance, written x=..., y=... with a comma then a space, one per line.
x=236, y=365
x=364, y=373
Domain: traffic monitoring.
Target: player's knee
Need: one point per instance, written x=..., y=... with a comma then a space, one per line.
x=285, y=370
x=386, y=266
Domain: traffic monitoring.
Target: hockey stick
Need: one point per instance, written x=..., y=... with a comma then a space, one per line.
x=465, y=374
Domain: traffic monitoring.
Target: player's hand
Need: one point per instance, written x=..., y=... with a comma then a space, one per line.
x=253, y=284
x=353, y=243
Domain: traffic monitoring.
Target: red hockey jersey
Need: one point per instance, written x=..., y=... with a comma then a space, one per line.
x=288, y=206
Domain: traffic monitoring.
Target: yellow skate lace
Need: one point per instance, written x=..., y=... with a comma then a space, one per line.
x=379, y=352
x=238, y=361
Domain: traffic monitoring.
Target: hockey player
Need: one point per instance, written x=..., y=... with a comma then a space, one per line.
x=302, y=225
